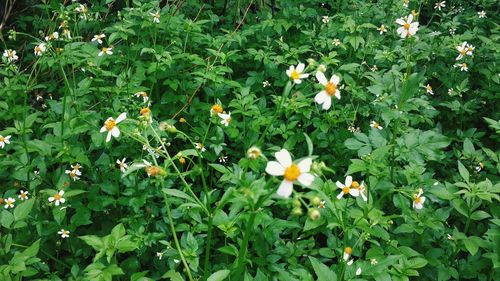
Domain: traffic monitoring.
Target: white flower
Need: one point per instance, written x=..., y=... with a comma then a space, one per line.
x=406, y=3
x=463, y=50
x=98, y=38
x=440, y=5
x=481, y=14
x=347, y=188
x=58, y=197
x=296, y=73
x=347, y=254
x=53, y=36
x=226, y=118
x=463, y=66
x=418, y=200
x=156, y=17
x=373, y=261
x=290, y=171
x=63, y=233
x=4, y=141
x=254, y=152
x=266, y=84
x=325, y=19
x=375, y=125
x=10, y=55
x=73, y=174
x=111, y=128
x=159, y=255
x=223, y=159
x=66, y=33
x=362, y=189
x=358, y=271
x=123, y=166
x=40, y=49
x=144, y=96
x=200, y=146
x=331, y=89
x=382, y=29
x=336, y=42
x=408, y=28
x=23, y=195
x=9, y=203
x=105, y=50
x=428, y=89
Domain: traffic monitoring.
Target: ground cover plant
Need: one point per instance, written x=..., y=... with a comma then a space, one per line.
x=249, y=140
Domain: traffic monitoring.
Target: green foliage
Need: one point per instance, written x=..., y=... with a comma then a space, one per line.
x=140, y=141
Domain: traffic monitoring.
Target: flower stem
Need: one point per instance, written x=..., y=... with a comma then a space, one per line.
x=286, y=91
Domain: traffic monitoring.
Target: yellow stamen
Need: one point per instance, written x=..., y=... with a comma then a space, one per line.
x=295, y=75
x=348, y=250
x=110, y=124
x=292, y=173
x=330, y=88
x=57, y=196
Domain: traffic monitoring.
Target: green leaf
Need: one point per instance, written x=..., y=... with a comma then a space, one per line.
x=173, y=276
x=417, y=262
x=463, y=171
x=7, y=219
x=23, y=209
x=219, y=275
x=309, y=144
x=178, y=193
x=468, y=147
x=410, y=87
x=32, y=250
x=322, y=271
x=479, y=215
x=93, y=241
x=471, y=246
x=220, y=168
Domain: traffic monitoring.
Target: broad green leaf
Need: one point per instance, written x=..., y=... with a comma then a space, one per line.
x=322, y=271
x=219, y=275
x=22, y=210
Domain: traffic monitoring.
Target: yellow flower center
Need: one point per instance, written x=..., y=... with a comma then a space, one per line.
x=295, y=75
x=182, y=120
x=375, y=125
x=217, y=108
x=330, y=88
x=463, y=52
x=153, y=170
x=418, y=200
x=104, y=49
x=182, y=160
x=110, y=124
x=292, y=173
x=71, y=174
x=2, y=139
x=57, y=196
x=145, y=111
x=355, y=184
x=406, y=26
x=348, y=250
x=346, y=190
x=23, y=195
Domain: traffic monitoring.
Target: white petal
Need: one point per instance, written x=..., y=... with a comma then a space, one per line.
x=341, y=194
x=306, y=179
x=400, y=21
x=321, y=97
x=339, y=184
x=337, y=94
x=289, y=73
x=321, y=78
x=62, y=200
x=404, y=34
x=410, y=18
x=61, y=192
x=103, y=129
x=115, y=132
x=305, y=165
x=335, y=79
x=300, y=67
x=285, y=189
x=297, y=81
x=348, y=181
x=354, y=192
x=327, y=103
x=363, y=195
x=51, y=199
x=275, y=169
x=422, y=200
x=283, y=156
x=108, y=137
x=121, y=117
x=303, y=75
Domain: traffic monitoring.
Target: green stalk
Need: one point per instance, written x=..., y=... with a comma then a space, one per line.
x=244, y=245
x=64, y=103
x=174, y=234
x=286, y=91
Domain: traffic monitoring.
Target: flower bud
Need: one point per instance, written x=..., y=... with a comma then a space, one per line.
x=297, y=211
x=315, y=201
x=314, y=214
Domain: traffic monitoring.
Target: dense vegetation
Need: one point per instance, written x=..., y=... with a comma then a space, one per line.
x=249, y=140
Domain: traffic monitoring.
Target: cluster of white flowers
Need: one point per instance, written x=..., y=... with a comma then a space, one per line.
x=75, y=172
